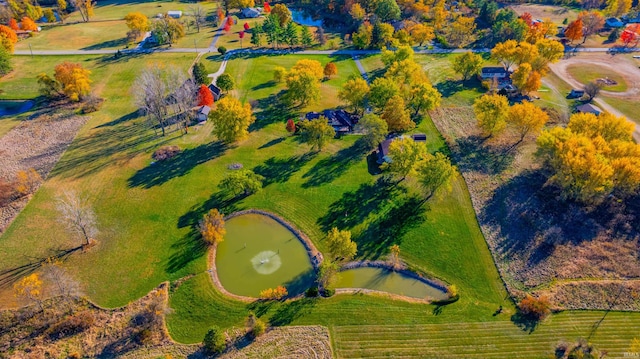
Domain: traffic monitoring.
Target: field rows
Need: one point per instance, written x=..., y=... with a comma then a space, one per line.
x=487, y=339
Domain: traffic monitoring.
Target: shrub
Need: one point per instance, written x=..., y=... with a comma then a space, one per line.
x=144, y=336
x=7, y=192
x=452, y=291
x=214, y=341
x=278, y=292
x=27, y=181
x=312, y=292
x=535, y=308
x=72, y=325
x=222, y=50
x=329, y=292
x=92, y=104
x=166, y=152
x=259, y=328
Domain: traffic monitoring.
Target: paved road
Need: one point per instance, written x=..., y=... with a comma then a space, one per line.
x=363, y=72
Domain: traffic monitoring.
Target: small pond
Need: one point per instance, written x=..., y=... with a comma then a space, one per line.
x=388, y=281
x=259, y=253
x=302, y=18
x=14, y=107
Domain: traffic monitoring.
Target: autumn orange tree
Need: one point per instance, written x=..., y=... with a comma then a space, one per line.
x=573, y=32
x=592, y=22
x=211, y=227
x=276, y=293
x=527, y=118
x=593, y=157
x=205, y=97
x=535, y=308
x=330, y=69
x=8, y=38
x=28, y=25
x=70, y=80
x=13, y=24
x=137, y=23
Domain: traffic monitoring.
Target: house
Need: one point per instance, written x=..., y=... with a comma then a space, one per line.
x=215, y=91
x=203, y=113
x=613, y=23
x=250, y=12
x=507, y=90
x=383, y=147
x=176, y=14
x=493, y=72
x=341, y=121
x=589, y=108
x=575, y=93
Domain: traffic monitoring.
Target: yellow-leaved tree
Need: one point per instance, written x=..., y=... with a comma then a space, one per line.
x=231, y=119
x=211, y=227
x=527, y=118
x=73, y=79
x=491, y=113
x=29, y=288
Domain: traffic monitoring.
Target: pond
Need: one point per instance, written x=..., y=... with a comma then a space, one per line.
x=386, y=280
x=14, y=107
x=259, y=253
x=302, y=18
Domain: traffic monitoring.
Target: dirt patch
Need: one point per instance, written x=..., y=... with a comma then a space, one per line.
x=556, y=13
x=36, y=143
x=537, y=240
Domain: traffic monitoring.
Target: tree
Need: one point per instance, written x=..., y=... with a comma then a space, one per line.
x=387, y=10
x=78, y=216
x=242, y=182
x=150, y=91
x=290, y=126
x=28, y=25
x=592, y=22
x=312, y=66
x=382, y=90
x=231, y=119
x=282, y=13
x=341, y=247
x=526, y=53
x=276, y=293
x=225, y=82
x=273, y=30
x=5, y=61
x=467, y=64
x=381, y=35
x=48, y=14
x=321, y=38
x=256, y=36
x=316, y=132
x=394, y=256
x=617, y=7
x=137, y=22
x=30, y=288
x=61, y=281
x=461, y=32
x=73, y=79
x=491, y=113
x=550, y=50
x=357, y=12
x=535, y=308
x=27, y=181
x=8, y=38
x=573, y=32
x=354, y=92
x=205, y=97
x=505, y=53
x=279, y=74
x=13, y=25
x=330, y=69
x=256, y=326
x=214, y=341
x=199, y=15
x=62, y=6
x=520, y=77
x=374, y=129
x=396, y=114
x=421, y=33
x=434, y=172
x=404, y=155
x=303, y=86
x=362, y=38
x=211, y=227
x=200, y=74
x=424, y=97
x=167, y=30
x=527, y=118
x=327, y=273
x=305, y=37
x=592, y=89
x=290, y=35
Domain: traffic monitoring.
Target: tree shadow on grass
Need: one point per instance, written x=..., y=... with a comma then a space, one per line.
x=328, y=169
x=525, y=322
x=273, y=142
x=272, y=109
x=389, y=227
x=218, y=200
x=122, y=119
x=186, y=250
x=160, y=172
x=106, y=44
x=301, y=283
x=10, y=275
x=474, y=154
x=356, y=206
x=290, y=311
x=279, y=170
x=449, y=88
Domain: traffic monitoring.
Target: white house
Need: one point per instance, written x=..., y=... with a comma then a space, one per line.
x=250, y=12
x=176, y=14
x=494, y=72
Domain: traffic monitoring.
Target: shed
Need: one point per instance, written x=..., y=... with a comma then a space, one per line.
x=176, y=14
x=589, y=108
x=613, y=22
x=203, y=113
x=250, y=12
x=215, y=91
x=575, y=93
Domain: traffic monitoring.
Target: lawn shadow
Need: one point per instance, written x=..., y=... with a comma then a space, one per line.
x=264, y=85
x=273, y=142
x=273, y=109
x=301, y=283
x=218, y=200
x=290, y=311
x=160, y=172
x=356, y=206
x=122, y=119
x=389, y=227
x=328, y=169
x=448, y=88
x=186, y=250
x=279, y=170
x=472, y=153
x=106, y=44
x=10, y=275
x=524, y=322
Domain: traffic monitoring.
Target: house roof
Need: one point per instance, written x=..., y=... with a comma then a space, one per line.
x=494, y=70
x=215, y=89
x=383, y=147
x=419, y=137
x=174, y=12
x=250, y=12
x=204, y=110
x=614, y=22
x=589, y=108
x=340, y=120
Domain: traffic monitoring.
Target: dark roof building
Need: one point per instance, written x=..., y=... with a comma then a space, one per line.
x=383, y=147
x=203, y=113
x=493, y=72
x=215, y=91
x=613, y=22
x=589, y=108
x=340, y=120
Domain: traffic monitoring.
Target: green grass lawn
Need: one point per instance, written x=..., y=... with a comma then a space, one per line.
x=588, y=73
x=118, y=9
x=82, y=36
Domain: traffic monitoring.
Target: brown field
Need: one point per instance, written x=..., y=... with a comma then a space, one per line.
x=556, y=13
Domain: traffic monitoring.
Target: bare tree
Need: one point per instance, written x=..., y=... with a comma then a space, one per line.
x=592, y=89
x=78, y=216
x=64, y=286
x=183, y=97
x=150, y=93
x=199, y=15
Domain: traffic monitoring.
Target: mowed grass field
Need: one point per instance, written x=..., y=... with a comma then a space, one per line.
x=146, y=213
x=590, y=73
x=80, y=36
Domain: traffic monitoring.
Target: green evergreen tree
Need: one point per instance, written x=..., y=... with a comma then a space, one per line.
x=306, y=37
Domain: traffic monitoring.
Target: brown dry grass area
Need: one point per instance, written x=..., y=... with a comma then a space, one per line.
x=535, y=238
x=36, y=143
x=556, y=13
x=577, y=295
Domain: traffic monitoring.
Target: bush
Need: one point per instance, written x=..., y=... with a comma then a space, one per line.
x=222, y=50
x=329, y=292
x=166, y=152
x=72, y=325
x=91, y=104
x=259, y=328
x=214, y=341
x=535, y=308
x=144, y=337
x=276, y=293
x=312, y=292
x=8, y=192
